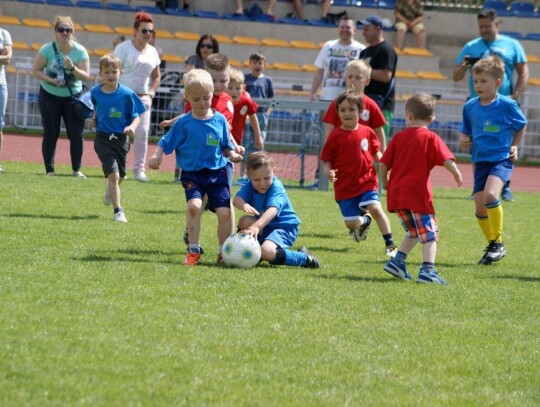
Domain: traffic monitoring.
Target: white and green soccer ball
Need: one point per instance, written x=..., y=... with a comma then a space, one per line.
x=240, y=250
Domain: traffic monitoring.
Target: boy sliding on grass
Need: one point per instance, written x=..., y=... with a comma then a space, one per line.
x=202, y=145
x=117, y=115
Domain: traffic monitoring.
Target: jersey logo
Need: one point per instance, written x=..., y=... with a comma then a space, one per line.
x=212, y=140
x=115, y=113
x=243, y=110
x=364, y=145
x=365, y=115
x=490, y=128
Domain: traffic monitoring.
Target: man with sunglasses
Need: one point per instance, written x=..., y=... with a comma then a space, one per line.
x=140, y=61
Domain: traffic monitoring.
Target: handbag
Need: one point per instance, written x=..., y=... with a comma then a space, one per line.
x=380, y=100
x=82, y=103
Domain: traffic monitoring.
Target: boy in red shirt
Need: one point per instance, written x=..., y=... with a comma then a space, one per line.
x=411, y=155
x=347, y=158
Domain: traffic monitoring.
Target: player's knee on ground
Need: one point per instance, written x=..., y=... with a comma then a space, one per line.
x=268, y=251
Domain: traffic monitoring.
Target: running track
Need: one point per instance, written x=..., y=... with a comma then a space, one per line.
x=28, y=149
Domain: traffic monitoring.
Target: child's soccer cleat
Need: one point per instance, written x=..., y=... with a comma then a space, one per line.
x=1, y=169
x=390, y=251
x=430, y=276
x=192, y=259
x=506, y=193
x=106, y=196
x=120, y=217
x=397, y=269
x=312, y=262
x=219, y=260
x=360, y=234
x=186, y=239
x=494, y=252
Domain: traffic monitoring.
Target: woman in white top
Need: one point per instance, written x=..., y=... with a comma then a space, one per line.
x=140, y=62
x=5, y=58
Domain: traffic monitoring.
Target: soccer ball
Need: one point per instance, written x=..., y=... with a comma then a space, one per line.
x=240, y=250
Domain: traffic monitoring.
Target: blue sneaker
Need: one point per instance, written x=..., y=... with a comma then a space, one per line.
x=427, y=276
x=506, y=193
x=397, y=269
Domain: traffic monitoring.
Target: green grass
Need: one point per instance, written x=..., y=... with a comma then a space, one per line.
x=103, y=314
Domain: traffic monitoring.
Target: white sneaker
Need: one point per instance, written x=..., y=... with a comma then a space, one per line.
x=141, y=176
x=106, y=196
x=120, y=217
x=1, y=169
x=78, y=174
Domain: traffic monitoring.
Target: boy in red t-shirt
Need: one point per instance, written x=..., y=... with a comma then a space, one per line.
x=411, y=155
x=347, y=158
x=244, y=107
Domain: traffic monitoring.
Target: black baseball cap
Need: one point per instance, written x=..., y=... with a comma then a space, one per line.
x=372, y=20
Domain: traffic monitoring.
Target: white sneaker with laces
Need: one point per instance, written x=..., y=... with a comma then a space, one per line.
x=78, y=174
x=141, y=176
x=106, y=196
x=120, y=217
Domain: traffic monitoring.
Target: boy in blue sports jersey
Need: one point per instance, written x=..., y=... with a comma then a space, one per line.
x=201, y=141
x=270, y=217
x=117, y=114
x=492, y=128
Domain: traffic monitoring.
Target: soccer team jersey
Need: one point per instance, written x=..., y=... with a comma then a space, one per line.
x=351, y=153
x=410, y=157
x=371, y=115
x=245, y=107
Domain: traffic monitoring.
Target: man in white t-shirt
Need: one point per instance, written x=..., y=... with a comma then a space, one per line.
x=332, y=61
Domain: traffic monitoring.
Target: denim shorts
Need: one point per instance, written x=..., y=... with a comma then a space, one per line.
x=482, y=170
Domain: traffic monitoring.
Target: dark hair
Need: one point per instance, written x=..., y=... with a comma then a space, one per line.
x=490, y=14
x=210, y=37
x=142, y=17
x=353, y=97
x=256, y=57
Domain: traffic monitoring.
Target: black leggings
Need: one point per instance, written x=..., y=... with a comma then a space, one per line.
x=53, y=109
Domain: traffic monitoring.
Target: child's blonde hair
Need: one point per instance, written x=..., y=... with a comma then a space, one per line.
x=493, y=66
x=109, y=59
x=421, y=106
x=198, y=78
x=236, y=77
x=259, y=159
x=353, y=97
x=361, y=65
x=217, y=62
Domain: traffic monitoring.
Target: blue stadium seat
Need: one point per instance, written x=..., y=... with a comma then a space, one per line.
x=387, y=4
x=532, y=36
x=177, y=12
x=514, y=34
x=499, y=6
x=150, y=9
x=63, y=3
x=119, y=7
x=206, y=14
x=33, y=1
x=368, y=4
x=294, y=21
x=522, y=9
x=321, y=23
x=90, y=4
x=237, y=17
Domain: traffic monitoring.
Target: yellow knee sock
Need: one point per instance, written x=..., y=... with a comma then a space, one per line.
x=495, y=218
x=483, y=221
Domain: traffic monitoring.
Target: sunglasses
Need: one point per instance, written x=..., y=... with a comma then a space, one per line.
x=63, y=30
x=147, y=31
x=207, y=46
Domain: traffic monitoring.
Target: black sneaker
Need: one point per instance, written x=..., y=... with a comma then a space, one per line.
x=312, y=262
x=494, y=252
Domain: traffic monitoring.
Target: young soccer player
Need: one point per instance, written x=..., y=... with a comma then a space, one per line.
x=270, y=216
x=492, y=126
x=347, y=158
x=201, y=141
x=410, y=156
x=117, y=115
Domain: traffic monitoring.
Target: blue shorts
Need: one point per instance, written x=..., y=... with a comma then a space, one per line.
x=352, y=208
x=421, y=225
x=502, y=169
x=214, y=183
x=283, y=237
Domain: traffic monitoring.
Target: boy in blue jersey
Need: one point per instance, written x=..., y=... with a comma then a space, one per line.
x=117, y=115
x=201, y=141
x=492, y=128
x=271, y=218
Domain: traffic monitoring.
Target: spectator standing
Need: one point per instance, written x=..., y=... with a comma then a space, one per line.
x=383, y=61
x=409, y=15
x=332, y=61
x=59, y=64
x=140, y=61
x=206, y=46
x=511, y=52
x=5, y=58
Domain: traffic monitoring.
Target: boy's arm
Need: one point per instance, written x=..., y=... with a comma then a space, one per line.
x=232, y=155
x=130, y=130
x=258, y=139
x=377, y=156
x=242, y=205
x=379, y=131
x=264, y=220
x=328, y=128
x=515, y=144
x=451, y=166
x=383, y=173
x=316, y=83
x=168, y=123
x=330, y=173
x=465, y=142
x=155, y=160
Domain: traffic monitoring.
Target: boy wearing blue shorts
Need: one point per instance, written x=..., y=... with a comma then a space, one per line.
x=117, y=115
x=492, y=128
x=410, y=156
x=270, y=217
x=201, y=141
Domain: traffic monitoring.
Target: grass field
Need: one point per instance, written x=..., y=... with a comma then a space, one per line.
x=104, y=314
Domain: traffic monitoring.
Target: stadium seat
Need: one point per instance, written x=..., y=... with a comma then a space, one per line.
x=123, y=30
x=522, y=9
x=293, y=21
x=90, y=4
x=119, y=7
x=78, y=27
x=223, y=39
x=431, y=75
x=149, y=9
x=309, y=68
x=286, y=66
x=239, y=39
x=61, y=3
x=499, y=6
x=304, y=44
x=37, y=23
x=275, y=42
x=21, y=46
x=173, y=58
x=418, y=52
x=387, y=4
x=206, y=14
x=235, y=63
x=533, y=59
x=514, y=34
x=238, y=17
x=36, y=46
x=405, y=74
x=99, y=52
x=99, y=28
x=534, y=81
x=161, y=34
x=6, y=20
x=369, y=4
x=184, y=35
x=177, y=12
x=532, y=37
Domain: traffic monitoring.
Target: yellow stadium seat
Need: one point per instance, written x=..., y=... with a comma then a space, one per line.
x=37, y=23
x=184, y=35
x=98, y=28
x=7, y=20
x=398, y=51
x=99, y=52
x=21, y=45
x=124, y=30
x=239, y=39
x=431, y=75
x=286, y=66
x=309, y=68
x=405, y=74
x=304, y=44
x=78, y=27
x=533, y=59
x=222, y=38
x=11, y=69
x=275, y=42
x=419, y=52
x=163, y=34
x=235, y=63
x=173, y=58
x=36, y=46
x=534, y=81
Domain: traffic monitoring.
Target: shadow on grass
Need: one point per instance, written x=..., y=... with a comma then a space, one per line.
x=162, y=212
x=49, y=216
x=381, y=279
x=525, y=279
x=318, y=235
x=132, y=256
x=315, y=249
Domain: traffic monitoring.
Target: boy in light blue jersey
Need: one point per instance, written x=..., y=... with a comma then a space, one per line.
x=117, y=115
x=270, y=217
x=492, y=128
x=201, y=141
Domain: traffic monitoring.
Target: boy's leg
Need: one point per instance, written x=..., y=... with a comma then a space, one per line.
x=275, y=250
x=354, y=217
x=193, y=212
x=383, y=223
x=224, y=224
x=113, y=181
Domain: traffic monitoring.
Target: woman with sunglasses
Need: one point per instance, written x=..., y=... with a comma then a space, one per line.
x=59, y=64
x=140, y=61
x=207, y=45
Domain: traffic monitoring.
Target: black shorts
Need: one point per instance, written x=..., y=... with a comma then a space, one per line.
x=112, y=150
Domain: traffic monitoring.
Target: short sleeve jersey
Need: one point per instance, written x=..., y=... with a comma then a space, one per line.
x=371, y=115
x=5, y=39
x=351, y=153
x=245, y=107
x=221, y=103
x=410, y=157
x=137, y=65
x=261, y=87
x=381, y=56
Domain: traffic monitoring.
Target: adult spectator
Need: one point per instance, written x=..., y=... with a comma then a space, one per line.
x=207, y=45
x=383, y=61
x=58, y=65
x=269, y=10
x=332, y=61
x=298, y=13
x=5, y=58
x=140, y=61
x=409, y=15
x=508, y=49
